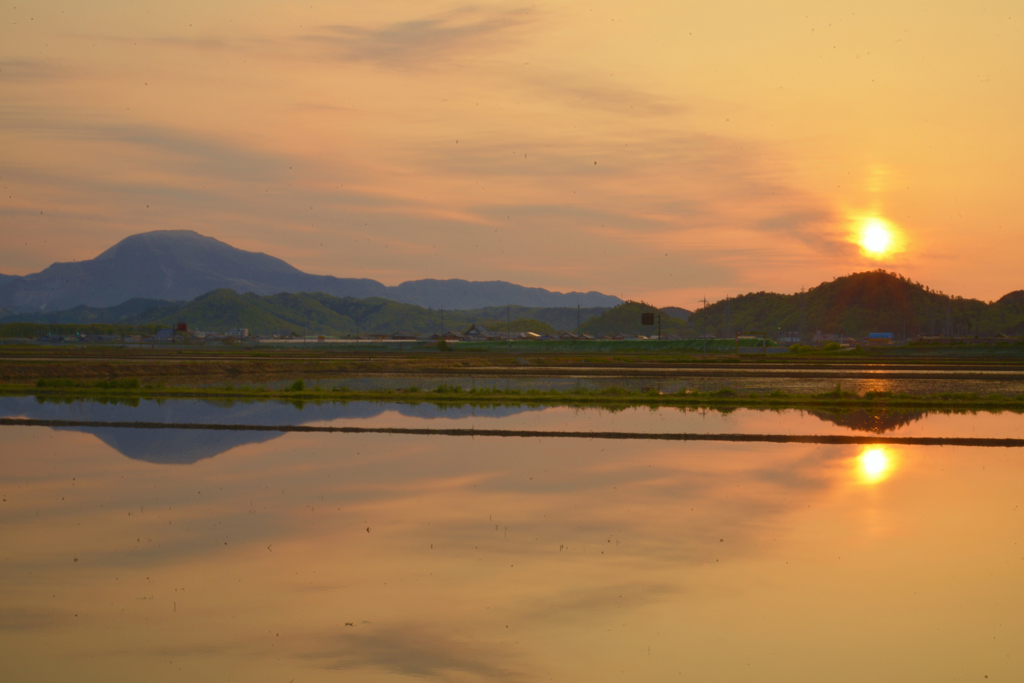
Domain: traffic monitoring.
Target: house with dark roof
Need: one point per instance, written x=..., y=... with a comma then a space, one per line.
x=448, y=336
x=480, y=333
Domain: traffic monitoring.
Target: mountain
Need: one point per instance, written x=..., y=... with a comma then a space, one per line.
x=166, y=264
x=857, y=304
x=4, y=279
x=626, y=319
x=302, y=313
x=126, y=313
x=179, y=265
x=1006, y=315
x=558, y=318
x=676, y=312
x=470, y=295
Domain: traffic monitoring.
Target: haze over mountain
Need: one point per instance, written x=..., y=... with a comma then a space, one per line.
x=177, y=265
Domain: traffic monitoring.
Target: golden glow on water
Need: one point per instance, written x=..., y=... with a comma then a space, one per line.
x=875, y=464
x=384, y=558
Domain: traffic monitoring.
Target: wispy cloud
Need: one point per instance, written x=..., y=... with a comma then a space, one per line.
x=18, y=620
x=593, y=602
x=588, y=92
x=815, y=226
x=187, y=152
x=414, y=650
x=652, y=189
x=28, y=70
x=423, y=41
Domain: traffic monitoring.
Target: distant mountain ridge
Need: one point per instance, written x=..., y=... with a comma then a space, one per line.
x=854, y=306
x=306, y=313
x=180, y=265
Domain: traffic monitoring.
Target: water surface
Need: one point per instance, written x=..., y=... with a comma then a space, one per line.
x=1011, y=382
x=183, y=446
x=370, y=557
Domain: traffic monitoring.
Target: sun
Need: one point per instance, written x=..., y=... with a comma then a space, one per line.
x=877, y=237
x=874, y=237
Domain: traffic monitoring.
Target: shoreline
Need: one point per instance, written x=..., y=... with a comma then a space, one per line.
x=844, y=439
x=612, y=397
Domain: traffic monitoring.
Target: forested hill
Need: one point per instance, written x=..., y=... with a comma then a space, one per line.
x=626, y=319
x=875, y=301
x=302, y=313
x=854, y=305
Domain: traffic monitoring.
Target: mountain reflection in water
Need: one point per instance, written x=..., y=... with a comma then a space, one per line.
x=185, y=446
x=872, y=422
x=181, y=447
x=390, y=558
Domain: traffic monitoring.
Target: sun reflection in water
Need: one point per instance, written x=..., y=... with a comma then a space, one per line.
x=875, y=465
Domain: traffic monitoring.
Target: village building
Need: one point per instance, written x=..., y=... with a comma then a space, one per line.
x=480, y=333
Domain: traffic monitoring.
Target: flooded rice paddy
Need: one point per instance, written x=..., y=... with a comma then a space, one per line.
x=272, y=556
x=762, y=382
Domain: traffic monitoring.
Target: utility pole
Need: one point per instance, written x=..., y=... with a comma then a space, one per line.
x=704, y=324
x=727, y=326
x=508, y=325
x=803, y=315
x=579, y=326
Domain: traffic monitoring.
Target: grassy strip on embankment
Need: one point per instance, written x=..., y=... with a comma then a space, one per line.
x=444, y=394
x=200, y=365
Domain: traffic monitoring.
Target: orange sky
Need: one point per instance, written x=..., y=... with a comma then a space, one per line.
x=658, y=150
